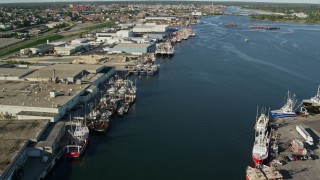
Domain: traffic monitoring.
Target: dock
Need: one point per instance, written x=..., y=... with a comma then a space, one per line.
x=283, y=132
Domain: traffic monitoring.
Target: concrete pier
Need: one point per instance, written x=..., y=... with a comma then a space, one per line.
x=285, y=130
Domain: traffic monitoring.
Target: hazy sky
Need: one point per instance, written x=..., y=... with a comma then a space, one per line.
x=274, y=1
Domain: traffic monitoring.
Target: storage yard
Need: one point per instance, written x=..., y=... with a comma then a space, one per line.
x=298, y=168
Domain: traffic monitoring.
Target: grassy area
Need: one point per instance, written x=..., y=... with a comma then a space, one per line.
x=30, y=43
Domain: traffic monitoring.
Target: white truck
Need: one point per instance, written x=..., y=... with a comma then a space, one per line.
x=304, y=134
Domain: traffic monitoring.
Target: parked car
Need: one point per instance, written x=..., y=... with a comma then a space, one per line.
x=289, y=157
x=283, y=162
x=305, y=157
x=313, y=156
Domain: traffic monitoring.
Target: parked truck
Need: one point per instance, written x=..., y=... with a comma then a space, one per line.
x=304, y=134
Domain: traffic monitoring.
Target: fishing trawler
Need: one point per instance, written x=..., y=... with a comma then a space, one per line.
x=100, y=122
x=287, y=109
x=164, y=48
x=261, y=144
x=79, y=140
x=260, y=148
x=314, y=101
x=261, y=121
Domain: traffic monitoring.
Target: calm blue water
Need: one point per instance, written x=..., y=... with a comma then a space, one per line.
x=195, y=119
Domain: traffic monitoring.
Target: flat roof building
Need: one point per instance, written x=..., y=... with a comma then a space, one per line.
x=14, y=138
x=49, y=93
x=132, y=48
x=68, y=50
x=160, y=18
x=150, y=28
x=13, y=74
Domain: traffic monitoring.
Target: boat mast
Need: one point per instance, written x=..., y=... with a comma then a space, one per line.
x=257, y=114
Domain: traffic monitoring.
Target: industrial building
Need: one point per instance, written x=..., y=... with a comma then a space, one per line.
x=132, y=48
x=196, y=13
x=42, y=48
x=16, y=136
x=13, y=74
x=69, y=50
x=154, y=36
x=149, y=28
x=143, y=40
x=51, y=92
x=124, y=33
x=106, y=34
x=159, y=18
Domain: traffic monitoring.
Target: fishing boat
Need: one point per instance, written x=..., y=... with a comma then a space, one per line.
x=287, y=109
x=111, y=90
x=313, y=101
x=99, y=126
x=261, y=121
x=79, y=140
x=260, y=148
x=153, y=69
x=261, y=144
x=143, y=71
x=121, y=111
x=126, y=107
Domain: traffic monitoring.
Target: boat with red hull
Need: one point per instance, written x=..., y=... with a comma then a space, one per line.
x=79, y=140
x=261, y=144
x=76, y=150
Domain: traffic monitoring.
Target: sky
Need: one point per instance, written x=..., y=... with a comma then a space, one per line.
x=273, y=1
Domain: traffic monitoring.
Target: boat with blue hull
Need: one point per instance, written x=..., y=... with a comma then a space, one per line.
x=287, y=109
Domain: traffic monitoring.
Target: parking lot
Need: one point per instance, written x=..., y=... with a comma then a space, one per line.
x=297, y=166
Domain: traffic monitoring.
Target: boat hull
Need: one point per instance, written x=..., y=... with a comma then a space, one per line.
x=257, y=161
x=283, y=115
x=77, y=154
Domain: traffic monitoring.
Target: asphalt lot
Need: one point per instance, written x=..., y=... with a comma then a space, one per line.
x=300, y=169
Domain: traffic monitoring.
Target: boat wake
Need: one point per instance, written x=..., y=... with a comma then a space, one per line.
x=245, y=57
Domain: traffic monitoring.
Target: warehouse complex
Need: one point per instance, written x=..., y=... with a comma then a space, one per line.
x=50, y=92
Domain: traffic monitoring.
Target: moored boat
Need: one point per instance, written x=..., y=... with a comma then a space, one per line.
x=260, y=148
x=287, y=109
x=313, y=101
x=262, y=121
x=261, y=144
x=120, y=111
x=79, y=141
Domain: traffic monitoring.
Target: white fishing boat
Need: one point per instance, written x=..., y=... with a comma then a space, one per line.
x=261, y=121
x=313, y=101
x=111, y=90
x=287, y=109
x=260, y=148
x=121, y=111
x=79, y=140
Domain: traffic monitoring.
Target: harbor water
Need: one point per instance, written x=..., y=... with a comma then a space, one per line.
x=194, y=120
